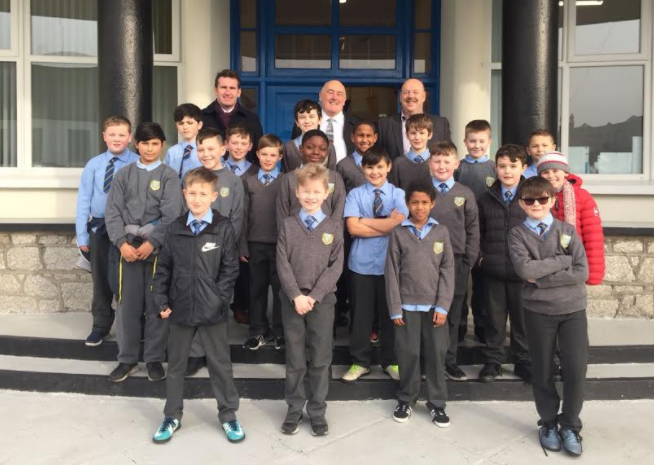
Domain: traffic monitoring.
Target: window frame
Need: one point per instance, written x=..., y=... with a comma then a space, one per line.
x=14, y=14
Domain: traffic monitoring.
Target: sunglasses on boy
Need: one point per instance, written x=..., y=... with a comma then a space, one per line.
x=540, y=200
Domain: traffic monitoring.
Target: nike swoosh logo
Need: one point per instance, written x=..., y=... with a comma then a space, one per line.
x=208, y=247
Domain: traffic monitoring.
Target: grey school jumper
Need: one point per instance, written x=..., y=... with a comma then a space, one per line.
x=351, y=173
x=292, y=158
x=476, y=176
x=260, y=219
x=404, y=172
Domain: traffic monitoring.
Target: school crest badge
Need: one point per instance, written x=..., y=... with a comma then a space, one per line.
x=224, y=192
x=331, y=187
x=155, y=185
x=438, y=248
x=490, y=180
x=327, y=239
x=565, y=240
x=459, y=201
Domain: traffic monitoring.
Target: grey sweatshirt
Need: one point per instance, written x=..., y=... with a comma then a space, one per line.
x=260, y=222
x=140, y=197
x=558, y=264
x=404, y=172
x=478, y=177
x=351, y=173
x=419, y=272
x=457, y=210
x=230, y=198
x=309, y=262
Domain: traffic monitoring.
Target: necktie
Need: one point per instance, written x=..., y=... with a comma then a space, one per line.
x=418, y=159
x=187, y=154
x=309, y=220
x=330, y=129
x=377, y=204
x=542, y=227
x=109, y=175
x=443, y=187
x=233, y=167
x=267, y=179
x=508, y=196
x=415, y=231
x=196, y=225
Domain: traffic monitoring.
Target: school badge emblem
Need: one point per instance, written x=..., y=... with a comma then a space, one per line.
x=459, y=201
x=327, y=238
x=155, y=185
x=224, y=192
x=331, y=187
x=438, y=248
x=490, y=180
x=565, y=240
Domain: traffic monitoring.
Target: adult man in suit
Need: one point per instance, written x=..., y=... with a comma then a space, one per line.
x=392, y=133
x=226, y=110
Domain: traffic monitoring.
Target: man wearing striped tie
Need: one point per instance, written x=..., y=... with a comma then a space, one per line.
x=183, y=156
x=89, y=222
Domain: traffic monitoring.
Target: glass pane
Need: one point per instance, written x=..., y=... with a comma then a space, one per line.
x=302, y=51
x=8, y=114
x=5, y=24
x=64, y=114
x=496, y=32
x=606, y=120
x=249, y=98
x=162, y=23
x=367, y=52
x=496, y=110
x=307, y=13
x=248, y=52
x=378, y=13
x=64, y=28
x=248, y=13
x=422, y=52
x=164, y=100
x=611, y=26
x=560, y=31
x=422, y=14
x=371, y=102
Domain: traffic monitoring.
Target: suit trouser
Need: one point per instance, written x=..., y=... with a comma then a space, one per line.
x=315, y=332
x=214, y=340
x=343, y=297
x=263, y=273
x=477, y=303
x=461, y=272
x=134, y=301
x=103, y=314
x=368, y=303
x=504, y=299
x=242, y=288
x=571, y=330
x=419, y=327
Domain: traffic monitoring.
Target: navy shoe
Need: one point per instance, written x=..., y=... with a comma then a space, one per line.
x=549, y=437
x=571, y=442
x=95, y=339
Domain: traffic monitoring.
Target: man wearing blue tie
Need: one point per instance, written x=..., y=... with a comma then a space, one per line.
x=183, y=156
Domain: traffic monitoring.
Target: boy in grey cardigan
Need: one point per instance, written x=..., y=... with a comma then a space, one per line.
x=550, y=257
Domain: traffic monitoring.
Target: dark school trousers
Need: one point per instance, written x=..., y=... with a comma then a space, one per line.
x=571, y=330
x=263, y=273
x=214, y=340
x=242, y=288
x=477, y=304
x=134, y=301
x=312, y=332
x=461, y=272
x=343, y=298
x=504, y=299
x=369, y=302
x=419, y=327
x=103, y=314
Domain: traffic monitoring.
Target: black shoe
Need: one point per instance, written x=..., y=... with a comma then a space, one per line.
x=463, y=330
x=402, y=413
x=455, y=373
x=255, y=342
x=155, y=371
x=122, y=371
x=490, y=372
x=438, y=415
x=280, y=343
x=95, y=338
x=522, y=370
x=319, y=427
x=292, y=423
x=194, y=365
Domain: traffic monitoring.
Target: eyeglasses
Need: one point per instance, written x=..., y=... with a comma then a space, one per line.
x=540, y=200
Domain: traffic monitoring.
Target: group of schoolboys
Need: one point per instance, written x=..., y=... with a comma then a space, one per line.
x=410, y=231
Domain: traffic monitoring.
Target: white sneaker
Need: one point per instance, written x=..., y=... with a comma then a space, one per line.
x=355, y=372
x=393, y=371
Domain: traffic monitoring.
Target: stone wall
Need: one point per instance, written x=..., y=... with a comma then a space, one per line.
x=38, y=274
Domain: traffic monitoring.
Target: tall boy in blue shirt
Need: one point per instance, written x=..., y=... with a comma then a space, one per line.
x=183, y=156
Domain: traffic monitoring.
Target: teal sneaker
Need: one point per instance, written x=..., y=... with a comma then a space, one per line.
x=571, y=442
x=166, y=430
x=233, y=431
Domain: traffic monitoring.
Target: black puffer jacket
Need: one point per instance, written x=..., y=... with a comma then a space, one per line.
x=496, y=219
x=195, y=275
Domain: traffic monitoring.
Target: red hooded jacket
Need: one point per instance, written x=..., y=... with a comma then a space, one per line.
x=589, y=227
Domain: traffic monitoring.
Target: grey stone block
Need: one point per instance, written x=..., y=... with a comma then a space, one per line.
x=9, y=284
x=38, y=286
x=618, y=270
x=603, y=308
x=23, y=258
x=646, y=274
x=17, y=304
x=50, y=306
x=628, y=289
x=54, y=239
x=23, y=238
x=642, y=307
x=599, y=291
x=628, y=246
x=77, y=296
x=60, y=258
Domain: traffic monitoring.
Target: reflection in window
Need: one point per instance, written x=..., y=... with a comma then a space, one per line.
x=371, y=102
x=606, y=120
x=248, y=52
x=302, y=51
x=375, y=13
x=162, y=24
x=5, y=24
x=422, y=52
x=612, y=27
x=64, y=28
x=367, y=52
x=249, y=98
x=307, y=13
x=248, y=13
x=8, y=150
x=422, y=14
x=164, y=101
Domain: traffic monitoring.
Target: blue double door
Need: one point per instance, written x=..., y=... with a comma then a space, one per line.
x=280, y=101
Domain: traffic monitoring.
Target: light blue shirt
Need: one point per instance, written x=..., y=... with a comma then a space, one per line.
x=175, y=154
x=319, y=216
x=357, y=158
x=533, y=224
x=513, y=191
x=241, y=166
x=274, y=173
x=206, y=219
x=368, y=254
x=298, y=141
x=437, y=184
x=424, y=154
x=469, y=159
x=91, y=199
x=530, y=172
x=150, y=167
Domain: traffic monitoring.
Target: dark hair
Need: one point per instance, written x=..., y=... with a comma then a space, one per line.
x=421, y=186
x=314, y=132
x=419, y=121
x=442, y=147
x=541, y=132
x=147, y=131
x=477, y=125
x=187, y=109
x=534, y=187
x=270, y=140
x=209, y=133
x=200, y=175
x=305, y=106
x=228, y=73
x=116, y=120
x=513, y=152
x=365, y=122
x=374, y=156
x=238, y=129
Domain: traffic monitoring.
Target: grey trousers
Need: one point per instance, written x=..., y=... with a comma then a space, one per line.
x=103, y=314
x=219, y=364
x=134, y=300
x=461, y=273
x=315, y=330
x=419, y=327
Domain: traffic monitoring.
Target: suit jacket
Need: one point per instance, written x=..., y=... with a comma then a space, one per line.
x=390, y=133
x=348, y=128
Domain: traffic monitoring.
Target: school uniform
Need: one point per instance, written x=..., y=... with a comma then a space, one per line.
x=309, y=262
x=143, y=201
x=94, y=186
x=183, y=157
x=292, y=158
x=239, y=168
x=413, y=167
x=530, y=172
x=366, y=263
x=456, y=209
x=393, y=137
x=555, y=309
x=195, y=276
x=213, y=116
x=419, y=276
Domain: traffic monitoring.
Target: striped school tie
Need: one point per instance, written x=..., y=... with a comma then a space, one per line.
x=508, y=196
x=309, y=220
x=233, y=167
x=443, y=187
x=109, y=175
x=187, y=154
x=196, y=225
x=415, y=231
x=542, y=227
x=329, y=130
x=267, y=179
x=378, y=203
x=418, y=159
